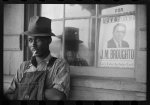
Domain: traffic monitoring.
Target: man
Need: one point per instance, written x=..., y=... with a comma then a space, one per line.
x=72, y=47
x=117, y=41
x=43, y=77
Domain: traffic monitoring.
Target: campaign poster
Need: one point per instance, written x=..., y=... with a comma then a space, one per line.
x=117, y=37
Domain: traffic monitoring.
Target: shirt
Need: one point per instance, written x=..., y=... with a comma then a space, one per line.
x=118, y=44
x=78, y=62
x=29, y=84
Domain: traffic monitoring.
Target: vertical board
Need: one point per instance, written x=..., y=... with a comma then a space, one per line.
x=141, y=62
x=13, y=26
x=12, y=61
x=13, y=18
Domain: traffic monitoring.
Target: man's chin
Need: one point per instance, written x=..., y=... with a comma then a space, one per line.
x=37, y=55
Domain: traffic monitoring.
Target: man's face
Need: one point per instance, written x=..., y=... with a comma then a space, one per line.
x=119, y=33
x=69, y=56
x=38, y=44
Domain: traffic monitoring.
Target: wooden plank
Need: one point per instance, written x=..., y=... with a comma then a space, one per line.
x=7, y=78
x=108, y=83
x=141, y=66
x=5, y=86
x=142, y=40
x=12, y=61
x=7, y=81
x=6, y=63
x=140, y=58
x=11, y=42
x=85, y=95
x=101, y=72
x=13, y=18
x=82, y=93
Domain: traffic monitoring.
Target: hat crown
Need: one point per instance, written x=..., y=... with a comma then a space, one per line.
x=39, y=26
x=71, y=33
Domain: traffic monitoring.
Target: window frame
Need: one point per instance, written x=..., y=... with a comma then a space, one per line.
x=101, y=71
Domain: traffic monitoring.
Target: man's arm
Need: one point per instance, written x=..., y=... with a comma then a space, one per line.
x=54, y=94
x=61, y=82
x=11, y=93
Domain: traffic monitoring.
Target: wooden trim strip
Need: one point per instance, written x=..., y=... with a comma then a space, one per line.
x=102, y=72
x=125, y=84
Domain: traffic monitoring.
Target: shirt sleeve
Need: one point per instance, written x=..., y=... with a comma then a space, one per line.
x=62, y=78
x=11, y=92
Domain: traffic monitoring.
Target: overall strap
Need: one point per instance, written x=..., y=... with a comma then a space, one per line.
x=51, y=61
x=41, y=95
x=27, y=63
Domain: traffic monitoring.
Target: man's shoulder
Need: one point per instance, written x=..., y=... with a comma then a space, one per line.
x=111, y=44
x=24, y=65
x=110, y=41
x=125, y=43
x=61, y=64
x=61, y=61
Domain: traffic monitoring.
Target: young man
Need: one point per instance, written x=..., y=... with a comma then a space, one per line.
x=43, y=77
x=72, y=43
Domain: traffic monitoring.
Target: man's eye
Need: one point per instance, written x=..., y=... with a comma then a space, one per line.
x=30, y=40
x=38, y=40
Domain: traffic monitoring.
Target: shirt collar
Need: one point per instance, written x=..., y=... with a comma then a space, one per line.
x=117, y=43
x=46, y=60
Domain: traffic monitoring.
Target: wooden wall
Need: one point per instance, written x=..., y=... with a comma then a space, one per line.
x=100, y=88
x=13, y=27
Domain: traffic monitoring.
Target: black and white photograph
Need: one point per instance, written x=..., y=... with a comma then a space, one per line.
x=75, y=52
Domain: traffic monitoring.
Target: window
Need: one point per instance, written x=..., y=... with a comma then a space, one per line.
x=86, y=20
x=75, y=18
x=53, y=11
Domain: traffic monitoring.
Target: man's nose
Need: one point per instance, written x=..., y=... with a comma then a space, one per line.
x=34, y=42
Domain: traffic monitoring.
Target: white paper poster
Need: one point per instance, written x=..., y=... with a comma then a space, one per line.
x=117, y=38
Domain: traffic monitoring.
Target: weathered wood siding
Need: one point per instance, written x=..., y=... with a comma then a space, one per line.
x=13, y=27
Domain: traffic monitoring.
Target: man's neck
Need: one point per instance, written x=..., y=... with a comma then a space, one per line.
x=41, y=58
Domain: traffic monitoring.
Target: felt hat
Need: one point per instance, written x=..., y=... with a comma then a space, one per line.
x=71, y=34
x=39, y=26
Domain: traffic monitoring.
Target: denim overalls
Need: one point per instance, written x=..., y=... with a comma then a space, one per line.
x=31, y=86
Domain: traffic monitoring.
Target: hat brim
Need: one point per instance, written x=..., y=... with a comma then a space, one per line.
x=60, y=37
x=38, y=34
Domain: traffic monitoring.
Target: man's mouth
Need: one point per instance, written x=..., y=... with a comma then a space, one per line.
x=33, y=49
